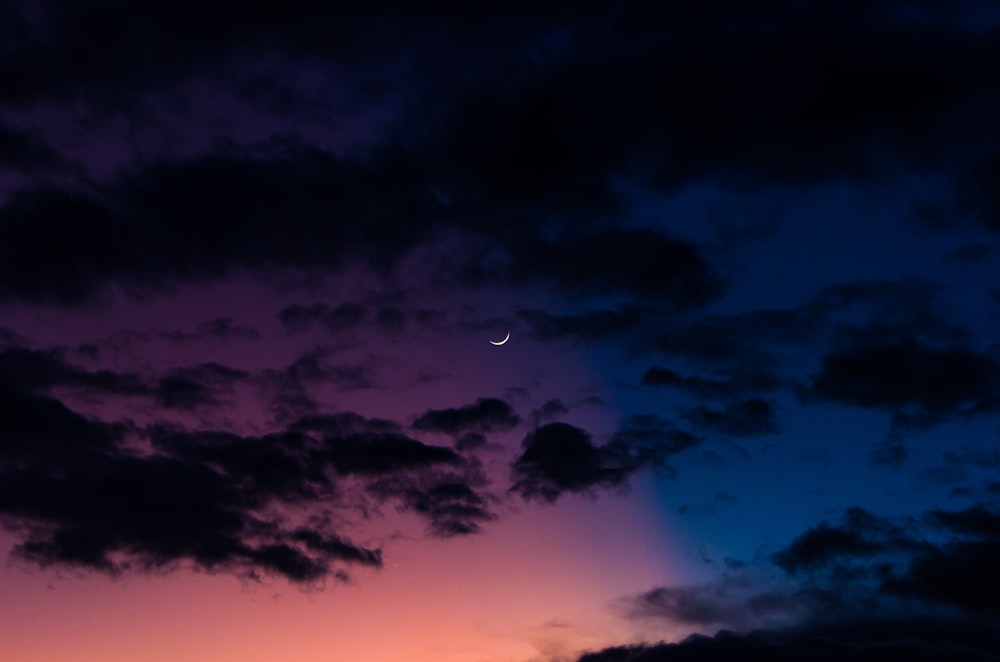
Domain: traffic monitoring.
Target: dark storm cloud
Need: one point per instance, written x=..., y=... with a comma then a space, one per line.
x=922, y=384
x=484, y=415
x=558, y=458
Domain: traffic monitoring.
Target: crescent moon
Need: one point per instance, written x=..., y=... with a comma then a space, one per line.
x=500, y=342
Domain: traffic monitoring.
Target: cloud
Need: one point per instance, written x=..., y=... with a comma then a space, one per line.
x=559, y=458
x=26, y=150
x=869, y=587
x=79, y=491
x=889, y=559
x=485, y=415
x=589, y=326
x=450, y=503
x=921, y=384
x=749, y=418
x=196, y=387
x=861, y=640
x=382, y=453
x=340, y=318
x=642, y=263
x=39, y=371
x=710, y=508
x=861, y=535
x=222, y=328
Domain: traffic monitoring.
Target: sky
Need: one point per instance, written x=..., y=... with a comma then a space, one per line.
x=256, y=261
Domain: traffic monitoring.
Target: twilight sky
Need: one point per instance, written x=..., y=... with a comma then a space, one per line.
x=252, y=255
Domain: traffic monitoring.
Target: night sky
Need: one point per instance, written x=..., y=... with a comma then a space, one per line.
x=252, y=256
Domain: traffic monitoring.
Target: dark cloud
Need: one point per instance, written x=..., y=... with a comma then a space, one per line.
x=976, y=521
x=76, y=492
x=132, y=506
x=559, y=458
x=710, y=508
x=340, y=318
x=917, y=639
x=288, y=389
x=343, y=424
x=971, y=253
x=222, y=328
x=37, y=370
x=272, y=466
x=484, y=415
x=861, y=535
x=650, y=439
x=924, y=384
x=383, y=453
x=36, y=428
x=749, y=418
x=450, y=504
x=26, y=150
x=883, y=558
x=961, y=574
x=549, y=410
x=546, y=135
x=637, y=262
x=140, y=229
x=197, y=386
x=589, y=326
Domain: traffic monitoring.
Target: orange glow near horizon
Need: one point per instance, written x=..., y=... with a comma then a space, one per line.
x=534, y=585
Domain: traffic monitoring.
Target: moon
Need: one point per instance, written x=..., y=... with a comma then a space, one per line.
x=500, y=342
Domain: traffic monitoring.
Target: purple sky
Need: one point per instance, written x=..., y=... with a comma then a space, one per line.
x=251, y=259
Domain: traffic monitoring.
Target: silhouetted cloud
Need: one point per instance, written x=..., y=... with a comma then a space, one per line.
x=340, y=318
x=484, y=415
x=558, y=458
x=749, y=418
x=934, y=641
x=861, y=535
x=449, y=503
x=222, y=328
x=921, y=383
x=26, y=150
